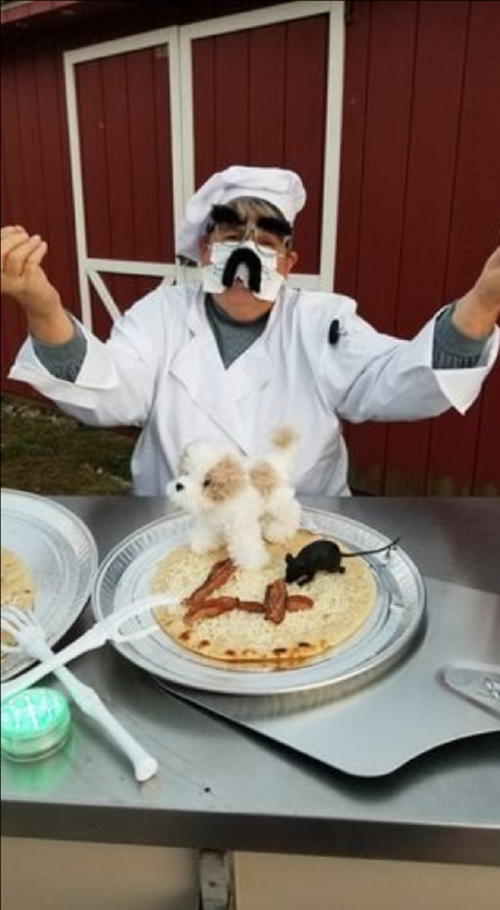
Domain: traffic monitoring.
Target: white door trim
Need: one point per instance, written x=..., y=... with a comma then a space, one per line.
x=88, y=268
x=333, y=142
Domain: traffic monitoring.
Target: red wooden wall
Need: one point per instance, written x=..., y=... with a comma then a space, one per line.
x=420, y=212
x=419, y=201
x=287, y=129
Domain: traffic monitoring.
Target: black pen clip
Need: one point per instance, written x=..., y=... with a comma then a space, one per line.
x=334, y=332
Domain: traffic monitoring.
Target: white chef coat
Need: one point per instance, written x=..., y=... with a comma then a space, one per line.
x=161, y=370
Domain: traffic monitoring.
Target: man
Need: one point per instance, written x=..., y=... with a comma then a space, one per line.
x=231, y=357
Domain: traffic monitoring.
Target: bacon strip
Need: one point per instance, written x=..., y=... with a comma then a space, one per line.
x=210, y=608
x=215, y=606
x=218, y=575
x=251, y=606
x=296, y=602
x=275, y=601
x=276, y=604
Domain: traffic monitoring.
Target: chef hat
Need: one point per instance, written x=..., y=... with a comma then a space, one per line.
x=283, y=189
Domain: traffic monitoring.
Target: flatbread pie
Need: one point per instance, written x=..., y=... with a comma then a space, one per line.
x=275, y=623
x=17, y=584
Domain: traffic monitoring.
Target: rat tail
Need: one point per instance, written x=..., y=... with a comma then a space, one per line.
x=388, y=546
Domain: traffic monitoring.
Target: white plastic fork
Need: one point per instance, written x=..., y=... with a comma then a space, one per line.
x=30, y=637
x=106, y=629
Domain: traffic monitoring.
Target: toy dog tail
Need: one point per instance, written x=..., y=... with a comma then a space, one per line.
x=285, y=441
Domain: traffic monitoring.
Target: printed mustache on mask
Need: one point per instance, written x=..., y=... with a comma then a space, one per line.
x=251, y=262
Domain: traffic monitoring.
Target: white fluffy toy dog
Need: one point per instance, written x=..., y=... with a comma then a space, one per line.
x=238, y=501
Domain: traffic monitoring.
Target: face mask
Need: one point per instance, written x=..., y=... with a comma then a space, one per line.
x=247, y=262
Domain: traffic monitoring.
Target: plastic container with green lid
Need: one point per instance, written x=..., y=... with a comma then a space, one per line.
x=35, y=723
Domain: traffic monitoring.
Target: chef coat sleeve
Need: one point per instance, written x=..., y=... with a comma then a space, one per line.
x=115, y=384
x=378, y=377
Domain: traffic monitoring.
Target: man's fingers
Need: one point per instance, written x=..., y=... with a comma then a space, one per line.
x=35, y=258
x=17, y=252
x=11, y=237
x=11, y=229
x=494, y=260
x=10, y=241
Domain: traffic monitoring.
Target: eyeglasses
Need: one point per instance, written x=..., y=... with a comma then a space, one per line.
x=233, y=236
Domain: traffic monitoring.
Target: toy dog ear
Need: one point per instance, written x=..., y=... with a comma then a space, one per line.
x=289, y=559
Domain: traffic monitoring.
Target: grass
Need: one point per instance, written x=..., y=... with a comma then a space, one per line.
x=43, y=451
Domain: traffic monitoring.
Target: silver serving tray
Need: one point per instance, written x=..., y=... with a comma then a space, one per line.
x=61, y=555
x=444, y=691
x=393, y=627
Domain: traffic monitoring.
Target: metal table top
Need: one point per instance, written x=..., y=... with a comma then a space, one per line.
x=223, y=787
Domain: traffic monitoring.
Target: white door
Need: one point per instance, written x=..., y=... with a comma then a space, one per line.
x=153, y=115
